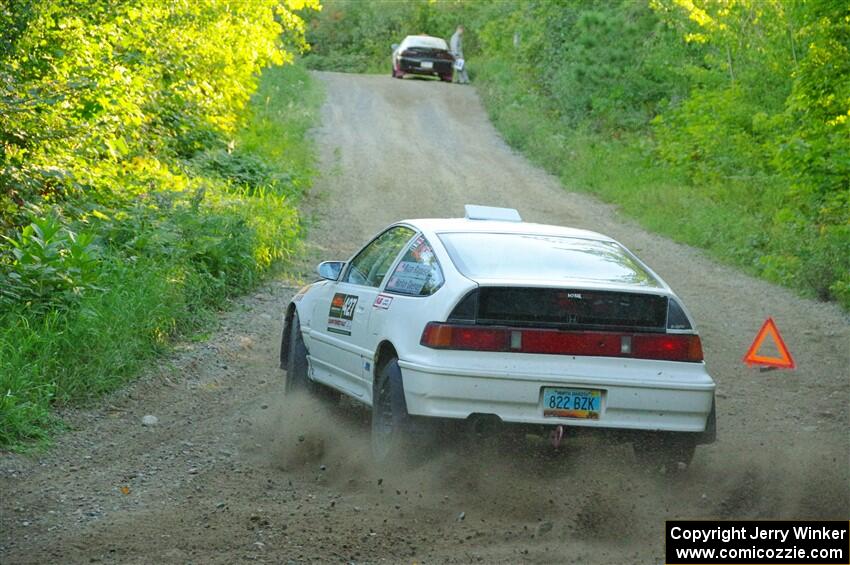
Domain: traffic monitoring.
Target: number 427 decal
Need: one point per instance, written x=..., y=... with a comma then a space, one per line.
x=342, y=313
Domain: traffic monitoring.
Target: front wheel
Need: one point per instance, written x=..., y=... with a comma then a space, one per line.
x=296, y=362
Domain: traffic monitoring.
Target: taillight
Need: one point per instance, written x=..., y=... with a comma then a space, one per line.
x=474, y=338
x=670, y=347
x=437, y=336
x=667, y=347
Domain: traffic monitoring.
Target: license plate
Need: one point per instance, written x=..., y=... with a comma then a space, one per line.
x=426, y=64
x=572, y=403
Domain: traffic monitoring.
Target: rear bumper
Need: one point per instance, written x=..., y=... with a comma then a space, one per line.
x=673, y=403
x=414, y=66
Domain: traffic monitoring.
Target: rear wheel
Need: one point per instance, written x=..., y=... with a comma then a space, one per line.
x=394, y=434
x=668, y=452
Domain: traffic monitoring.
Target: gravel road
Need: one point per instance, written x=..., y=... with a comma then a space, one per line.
x=229, y=474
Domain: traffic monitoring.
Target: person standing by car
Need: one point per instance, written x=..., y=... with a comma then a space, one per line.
x=456, y=48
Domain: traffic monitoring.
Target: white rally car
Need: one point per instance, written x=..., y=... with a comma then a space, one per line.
x=489, y=317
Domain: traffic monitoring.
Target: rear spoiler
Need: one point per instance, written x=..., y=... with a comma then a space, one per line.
x=475, y=212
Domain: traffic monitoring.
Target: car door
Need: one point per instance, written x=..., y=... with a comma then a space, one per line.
x=342, y=342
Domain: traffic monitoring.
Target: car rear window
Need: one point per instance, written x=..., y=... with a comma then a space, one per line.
x=526, y=257
x=425, y=42
x=563, y=309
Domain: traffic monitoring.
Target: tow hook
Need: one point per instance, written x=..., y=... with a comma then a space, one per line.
x=556, y=436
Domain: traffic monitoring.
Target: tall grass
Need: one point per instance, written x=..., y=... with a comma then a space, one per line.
x=164, y=272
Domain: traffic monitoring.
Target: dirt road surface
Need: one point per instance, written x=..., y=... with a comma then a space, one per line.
x=230, y=474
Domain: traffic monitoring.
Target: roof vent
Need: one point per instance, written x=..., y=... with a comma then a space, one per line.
x=475, y=212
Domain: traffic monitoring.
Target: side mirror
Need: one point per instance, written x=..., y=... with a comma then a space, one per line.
x=330, y=270
x=394, y=46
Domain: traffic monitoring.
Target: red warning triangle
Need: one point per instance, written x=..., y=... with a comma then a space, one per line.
x=783, y=361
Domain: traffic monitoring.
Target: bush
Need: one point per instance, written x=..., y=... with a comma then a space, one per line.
x=243, y=170
x=52, y=266
x=102, y=287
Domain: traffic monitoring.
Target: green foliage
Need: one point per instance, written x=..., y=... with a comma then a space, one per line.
x=725, y=124
x=243, y=169
x=604, y=65
x=137, y=196
x=51, y=265
x=717, y=134
x=68, y=355
x=157, y=267
x=276, y=132
x=817, y=155
x=771, y=107
x=90, y=88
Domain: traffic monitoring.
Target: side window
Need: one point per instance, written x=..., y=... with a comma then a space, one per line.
x=418, y=273
x=372, y=263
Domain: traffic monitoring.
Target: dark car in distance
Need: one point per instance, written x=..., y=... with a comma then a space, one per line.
x=422, y=55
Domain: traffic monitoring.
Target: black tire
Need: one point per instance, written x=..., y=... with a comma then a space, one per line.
x=392, y=427
x=665, y=451
x=296, y=361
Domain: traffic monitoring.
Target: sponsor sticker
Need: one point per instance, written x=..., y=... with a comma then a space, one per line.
x=383, y=301
x=341, y=313
x=409, y=277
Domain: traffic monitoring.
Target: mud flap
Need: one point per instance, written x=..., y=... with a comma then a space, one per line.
x=399, y=405
x=284, y=341
x=710, y=433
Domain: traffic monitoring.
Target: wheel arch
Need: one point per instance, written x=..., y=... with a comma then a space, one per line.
x=383, y=353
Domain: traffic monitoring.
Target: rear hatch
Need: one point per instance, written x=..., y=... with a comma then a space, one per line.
x=561, y=296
